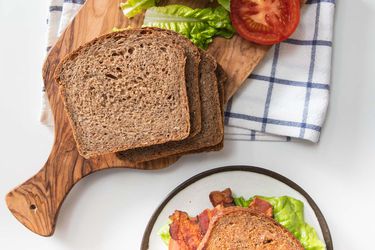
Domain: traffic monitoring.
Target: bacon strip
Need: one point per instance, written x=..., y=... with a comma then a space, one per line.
x=205, y=218
x=260, y=206
x=176, y=245
x=187, y=232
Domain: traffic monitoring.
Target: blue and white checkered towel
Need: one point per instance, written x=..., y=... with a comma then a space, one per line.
x=288, y=93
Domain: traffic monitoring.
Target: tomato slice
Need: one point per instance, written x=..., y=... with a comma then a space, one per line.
x=265, y=21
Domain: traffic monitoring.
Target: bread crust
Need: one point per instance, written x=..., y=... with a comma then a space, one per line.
x=221, y=80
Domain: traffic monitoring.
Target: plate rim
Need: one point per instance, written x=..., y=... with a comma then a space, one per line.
x=319, y=215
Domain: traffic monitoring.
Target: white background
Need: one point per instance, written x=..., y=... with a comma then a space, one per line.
x=109, y=210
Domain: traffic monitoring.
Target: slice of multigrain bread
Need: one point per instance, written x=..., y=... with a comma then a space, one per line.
x=212, y=130
x=221, y=80
x=240, y=228
x=191, y=73
x=125, y=90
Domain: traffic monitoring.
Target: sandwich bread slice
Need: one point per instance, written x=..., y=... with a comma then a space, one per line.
x=241, y=228
x=221, y=80
x=125, y=90
x=212, y=130
x=191, y=72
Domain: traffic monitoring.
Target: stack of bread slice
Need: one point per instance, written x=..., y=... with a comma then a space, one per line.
x=143, y=93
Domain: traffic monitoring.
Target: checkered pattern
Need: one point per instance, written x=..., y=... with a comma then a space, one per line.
x=285, y=97
x=288, y=93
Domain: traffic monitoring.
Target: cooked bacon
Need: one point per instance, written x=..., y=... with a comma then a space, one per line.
x=260, y=206
x=175, y=245
x=205, y=218
x=185, y=232
x=223, y=198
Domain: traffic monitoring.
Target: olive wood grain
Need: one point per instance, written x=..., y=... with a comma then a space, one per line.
x=36, y=202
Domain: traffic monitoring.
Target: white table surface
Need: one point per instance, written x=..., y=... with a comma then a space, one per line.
x=109, y=210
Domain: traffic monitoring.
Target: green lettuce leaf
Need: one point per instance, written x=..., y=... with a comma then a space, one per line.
x=242, y=202
x=225, y=4
x=164, y=233
x=134, y=7
x=198, y=25
x=289, y=212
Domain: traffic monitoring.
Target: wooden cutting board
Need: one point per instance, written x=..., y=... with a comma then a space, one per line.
x=36, y=202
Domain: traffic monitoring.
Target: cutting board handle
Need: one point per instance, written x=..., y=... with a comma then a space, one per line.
x=36, y=202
